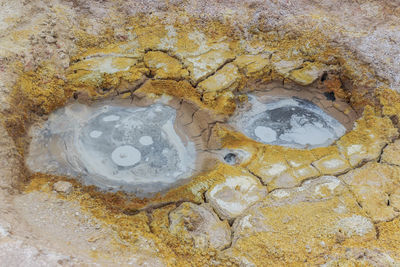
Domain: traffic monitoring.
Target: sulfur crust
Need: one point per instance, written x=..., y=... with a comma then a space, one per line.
x=38, y=93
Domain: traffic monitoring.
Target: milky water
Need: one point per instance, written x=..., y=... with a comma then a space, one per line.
x=291, y=122
x=114, y=147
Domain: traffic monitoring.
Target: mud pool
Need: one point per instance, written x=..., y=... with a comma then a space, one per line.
x=291, y=122
x=114, y=147
x=121, y=146
x=252, y=138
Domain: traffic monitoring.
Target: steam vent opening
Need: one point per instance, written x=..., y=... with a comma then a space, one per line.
x=149, y=133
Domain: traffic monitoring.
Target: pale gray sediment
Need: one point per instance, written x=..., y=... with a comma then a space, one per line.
x=129, y=148
x=292, y=122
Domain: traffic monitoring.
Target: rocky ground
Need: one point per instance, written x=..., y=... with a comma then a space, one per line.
x=336, y=206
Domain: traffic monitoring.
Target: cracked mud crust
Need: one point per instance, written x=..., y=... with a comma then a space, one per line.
x=274, y=204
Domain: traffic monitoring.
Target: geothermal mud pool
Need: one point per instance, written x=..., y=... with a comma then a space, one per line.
x=114, y=147
x=215, y=134
x=289, y=122
x=137, y=149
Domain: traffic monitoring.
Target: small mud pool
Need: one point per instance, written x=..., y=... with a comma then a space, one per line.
x=132, y=148
x=291, y=122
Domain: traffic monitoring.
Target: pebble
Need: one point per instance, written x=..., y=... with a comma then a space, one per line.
x=63, y=187
x=50, y=39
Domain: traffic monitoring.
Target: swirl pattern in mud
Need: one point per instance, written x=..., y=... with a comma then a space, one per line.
x=114, y=147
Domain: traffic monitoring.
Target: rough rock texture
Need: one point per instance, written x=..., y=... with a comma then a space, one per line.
x=332, y=164
x=369, y=29
x=301, y=222
x=200, y=224
x=391, y=154
x=9, y=158
x=164, y=66
x=368, y=145
x=54, y=51
x=16, y=253
x=307, y=74
x=63, y=187
x=253, y=64
x=376, y=187
x=202, y=66
x=225, y=78
x=233, y=196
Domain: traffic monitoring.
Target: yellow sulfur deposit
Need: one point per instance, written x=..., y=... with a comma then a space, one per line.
x=281, y=205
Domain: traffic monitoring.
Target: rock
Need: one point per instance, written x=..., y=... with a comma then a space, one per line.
x=63, y=187
x=376, y=187
x=8, y=159
x=233, y=196
x=130, y=50
x=365, y=142
x=200, y=225
x=298, y=158
x=332, y=164
x=273, y=170
x=356, y=153
x=293, y=177
x=203, y=65
x=305, y=172
x=226, y=78
x=19, y=253
x=108, y=72
x=105, y=64
x=391, y=154
x=389, y=237
x=195, y=43
x=284, y=67
x=50, y=39
x=361, y=257
x=108, y=67
x=296, y=167
x=163, y=66
x=252, y=64
x=281, y=167
x=240, y=260
x=292, y=223
x=354, y=225
x=4, y=229
x=255, y=47
x=308, y=74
